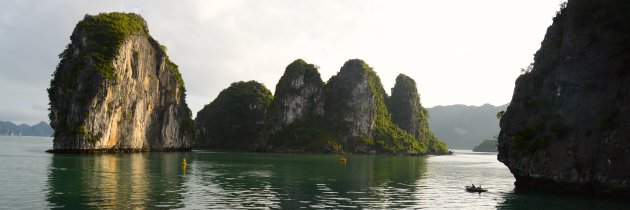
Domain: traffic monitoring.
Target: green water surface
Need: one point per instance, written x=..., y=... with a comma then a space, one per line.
x=32, y=179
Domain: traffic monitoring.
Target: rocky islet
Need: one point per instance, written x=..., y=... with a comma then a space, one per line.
x=347, y=114
x=115, y=89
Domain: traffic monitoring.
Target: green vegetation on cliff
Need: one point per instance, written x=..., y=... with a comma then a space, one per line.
x=295, y=115
x=235, y=118
x=385, y=136
x=350, y=113
x=95, y=43
x=297, y=77
x=100, y=37
x=298, y=69
x=306, y=135
x=407, y=113
x=566, y=124
x=89, y=61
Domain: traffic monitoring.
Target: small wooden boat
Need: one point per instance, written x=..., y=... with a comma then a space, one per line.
x=475, y=189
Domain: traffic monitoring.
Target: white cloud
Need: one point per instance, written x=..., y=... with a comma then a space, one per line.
x=458, y=51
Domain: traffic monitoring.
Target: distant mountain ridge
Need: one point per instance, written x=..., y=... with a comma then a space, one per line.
x=42, y=128
x=462, y=126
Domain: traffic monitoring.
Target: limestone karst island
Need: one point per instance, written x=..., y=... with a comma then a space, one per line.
x=315, y=105
x=115, y=89
x=350, y=113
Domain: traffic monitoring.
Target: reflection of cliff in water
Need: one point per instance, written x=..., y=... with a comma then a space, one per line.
x=526, y=199
x=314, y=181
x=115, y=181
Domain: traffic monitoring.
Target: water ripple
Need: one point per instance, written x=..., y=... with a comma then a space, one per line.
x=216, y=180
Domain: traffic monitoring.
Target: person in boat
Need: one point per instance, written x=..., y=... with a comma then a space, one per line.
x=473, y=186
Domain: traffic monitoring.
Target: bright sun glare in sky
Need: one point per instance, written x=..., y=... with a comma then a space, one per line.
x=458, y=51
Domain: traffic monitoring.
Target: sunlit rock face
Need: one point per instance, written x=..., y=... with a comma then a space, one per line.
x=115, y=89
x=566, y=126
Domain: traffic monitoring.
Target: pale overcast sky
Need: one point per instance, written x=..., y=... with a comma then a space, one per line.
x=458, y=51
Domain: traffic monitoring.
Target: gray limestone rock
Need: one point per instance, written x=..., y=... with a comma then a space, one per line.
x=299, y=96
x=566, y=126
x=351, y=103
x=116, y=90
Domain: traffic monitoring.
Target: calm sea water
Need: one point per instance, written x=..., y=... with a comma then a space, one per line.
x=32, y=179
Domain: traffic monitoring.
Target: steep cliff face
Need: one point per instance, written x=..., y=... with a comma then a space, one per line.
x=347, y=114
x=405, y=107
x=355, y=106
x=295, y=117
x=351, y=100
x=407, y=113
x=566, y=126
x=235, y=119
x=298, y=96
x=116, y=90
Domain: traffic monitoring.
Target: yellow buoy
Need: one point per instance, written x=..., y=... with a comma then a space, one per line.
x=342, y=160
x=184, y=162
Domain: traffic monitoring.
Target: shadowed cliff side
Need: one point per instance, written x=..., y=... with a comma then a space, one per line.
x=347, y=114
x=566, y=126
x=235, y=119
x=407, y=113
x=295, y=117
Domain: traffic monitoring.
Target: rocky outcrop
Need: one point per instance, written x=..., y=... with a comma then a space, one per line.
x=405, y=107
x=566, y=126
x=235, y=119
x=352, y=100
x=115, y=89
x=298, y=97
x=488, y=145
x=356, y=108
x=407, y=113
x=295, y=117
x=347, y=114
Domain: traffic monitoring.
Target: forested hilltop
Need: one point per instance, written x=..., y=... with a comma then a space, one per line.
x=351, y=113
